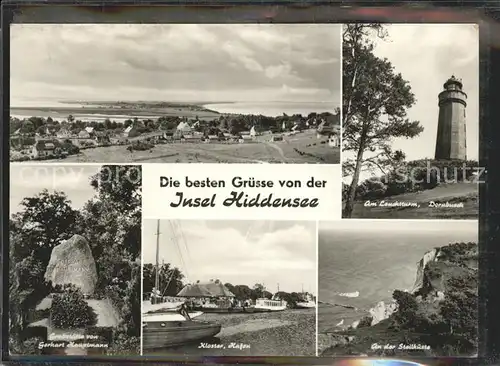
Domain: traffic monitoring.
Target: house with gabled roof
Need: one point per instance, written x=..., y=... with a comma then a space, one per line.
x=44, y=148
x=131, y=131
x=63, y=133
x=101, y=137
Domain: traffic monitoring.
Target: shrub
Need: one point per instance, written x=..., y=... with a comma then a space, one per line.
x=417, y=175
x=70, y=310
x=70, y=148
x=30, y=346
x=407, y=308
x=365, y=322
x=345, y=191
x=142, y=146
x=432, y=272
x=371, y=189
x=124, y=345
x=459, y=311
x=446, y=170
x=458, y=251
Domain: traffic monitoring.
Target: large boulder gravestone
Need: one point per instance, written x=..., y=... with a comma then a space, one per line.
x=71, y=262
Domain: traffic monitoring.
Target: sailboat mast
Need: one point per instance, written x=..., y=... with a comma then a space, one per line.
x=157, y=276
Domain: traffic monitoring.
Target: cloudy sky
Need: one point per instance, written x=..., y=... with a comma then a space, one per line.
x=238, y=252
x=175, y=62
x=427, y=55
x=29, y=180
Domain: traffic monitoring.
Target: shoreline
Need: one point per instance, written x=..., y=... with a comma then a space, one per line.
x=289, y=332
x=112, y=111
x=156, y=109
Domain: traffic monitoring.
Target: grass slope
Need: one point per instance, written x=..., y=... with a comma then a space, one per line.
x=303, y=148
x=467, y=193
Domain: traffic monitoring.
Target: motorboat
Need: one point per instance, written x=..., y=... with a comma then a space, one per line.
x=224, y=310
x=306, y=304
x=148, y=307
x=158, y=334
x=308, y=301
x=266, y=305
x=173, y=316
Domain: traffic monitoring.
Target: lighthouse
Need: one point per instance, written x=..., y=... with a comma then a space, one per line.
x=451, y=134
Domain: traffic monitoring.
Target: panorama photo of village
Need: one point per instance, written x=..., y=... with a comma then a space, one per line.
x=203, y=94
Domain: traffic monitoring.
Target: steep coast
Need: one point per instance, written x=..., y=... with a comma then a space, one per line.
x=438, y=316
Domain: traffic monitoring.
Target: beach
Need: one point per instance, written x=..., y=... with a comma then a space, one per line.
x=284, y=333
x=272, y=109
x=100, y=114
x=93, y=112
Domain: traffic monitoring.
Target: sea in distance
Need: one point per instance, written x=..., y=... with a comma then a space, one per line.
x=273, y=109
x=26, y=109
x=373, y=263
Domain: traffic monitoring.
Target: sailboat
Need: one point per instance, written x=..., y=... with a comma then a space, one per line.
x=160, y=305
x=171, y=328
x=308, y=301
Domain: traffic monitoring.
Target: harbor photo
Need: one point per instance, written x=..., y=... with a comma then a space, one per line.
x=229, y=288
x=176, y=93
x=410, y=135
x=74, y=260
x=388, y=290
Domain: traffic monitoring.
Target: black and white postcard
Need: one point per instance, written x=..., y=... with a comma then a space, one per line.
x=229, y=288
x=410, y=121
x=179, y=93
x=409, y=289
x=74, y=271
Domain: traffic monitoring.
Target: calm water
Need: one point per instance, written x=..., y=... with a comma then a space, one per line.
x=273, y=109
x=85, y=117
x=267, y=109
x=373, y=263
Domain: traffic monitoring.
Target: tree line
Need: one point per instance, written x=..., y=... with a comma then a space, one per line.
x=231, y=123
x=172, y=282
x=412, y=176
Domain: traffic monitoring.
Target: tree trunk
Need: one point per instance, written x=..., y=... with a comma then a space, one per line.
x=355, y=179
x=349, y=100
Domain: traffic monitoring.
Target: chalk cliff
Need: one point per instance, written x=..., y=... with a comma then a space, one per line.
x=383, y=310
x=433, y=272
x=430, y=256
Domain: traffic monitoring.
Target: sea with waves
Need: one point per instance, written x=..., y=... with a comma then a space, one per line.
x=374, y=263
